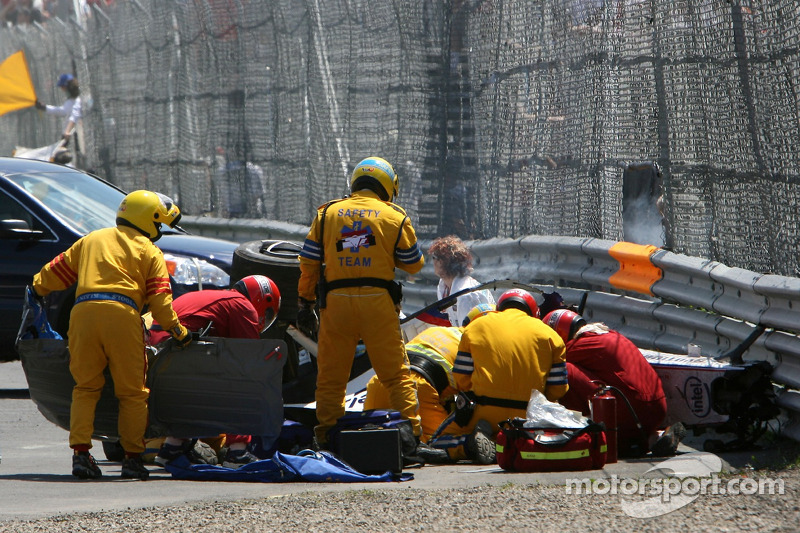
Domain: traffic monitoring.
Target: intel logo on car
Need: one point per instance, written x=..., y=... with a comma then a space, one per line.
x=697, y=396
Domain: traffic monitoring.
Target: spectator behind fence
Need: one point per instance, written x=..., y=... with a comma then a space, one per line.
x=452, y=262
x=20, y=12
x=71, y=109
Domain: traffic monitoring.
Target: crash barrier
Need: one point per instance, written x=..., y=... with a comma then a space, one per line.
x=661, y=300
x=244, y=229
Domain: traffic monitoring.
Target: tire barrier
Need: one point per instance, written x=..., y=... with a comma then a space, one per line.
x=661, y=300
x=276, y=259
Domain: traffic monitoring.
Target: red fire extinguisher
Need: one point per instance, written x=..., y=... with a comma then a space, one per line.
x=603, y=408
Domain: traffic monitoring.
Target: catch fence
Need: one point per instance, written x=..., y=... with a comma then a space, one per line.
x=503, y=118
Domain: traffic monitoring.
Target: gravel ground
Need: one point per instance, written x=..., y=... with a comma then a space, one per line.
x=506, y=508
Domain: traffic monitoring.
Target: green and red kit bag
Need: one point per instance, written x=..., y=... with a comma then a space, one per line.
x=521, y=449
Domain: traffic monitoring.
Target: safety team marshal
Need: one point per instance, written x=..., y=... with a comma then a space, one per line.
x=690, y=475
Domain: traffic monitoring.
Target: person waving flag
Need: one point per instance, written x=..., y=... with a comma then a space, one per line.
x=16, y=87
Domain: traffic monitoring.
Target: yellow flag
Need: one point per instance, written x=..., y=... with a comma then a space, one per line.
x=16, y=87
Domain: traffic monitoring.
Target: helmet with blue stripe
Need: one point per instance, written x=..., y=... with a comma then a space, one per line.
x=477, y=311
x=376, y=174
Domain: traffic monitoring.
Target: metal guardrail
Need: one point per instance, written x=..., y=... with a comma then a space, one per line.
x=660, y=300
x=244, y=229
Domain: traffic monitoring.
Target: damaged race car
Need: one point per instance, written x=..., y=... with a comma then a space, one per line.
x=264, y=387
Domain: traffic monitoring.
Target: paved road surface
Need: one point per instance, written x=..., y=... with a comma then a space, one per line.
x=35, y=478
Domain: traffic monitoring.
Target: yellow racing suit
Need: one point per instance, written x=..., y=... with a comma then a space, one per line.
x=502, y=357
x=361, y=241
x=118, y=271
x=434, y=346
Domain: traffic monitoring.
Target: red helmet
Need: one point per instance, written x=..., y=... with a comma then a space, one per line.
x=264, y=295
x=564, y=322
x=518, y=299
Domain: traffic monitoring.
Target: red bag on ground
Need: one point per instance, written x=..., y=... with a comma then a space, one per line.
x=550, y=449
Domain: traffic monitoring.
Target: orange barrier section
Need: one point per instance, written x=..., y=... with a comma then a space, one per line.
x=636, y=272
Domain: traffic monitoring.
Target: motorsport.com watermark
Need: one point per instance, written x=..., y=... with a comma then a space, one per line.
x=683, y=479
x=667, y=488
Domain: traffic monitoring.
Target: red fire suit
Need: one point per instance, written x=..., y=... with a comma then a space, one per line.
x=364, y=237
x=614, y=360
x=502, y=357
x=118, y=272
x=232, y=315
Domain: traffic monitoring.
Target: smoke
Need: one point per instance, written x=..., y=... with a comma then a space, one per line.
x=641, y=222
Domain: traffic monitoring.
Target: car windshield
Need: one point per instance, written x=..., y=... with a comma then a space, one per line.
x=81, y=201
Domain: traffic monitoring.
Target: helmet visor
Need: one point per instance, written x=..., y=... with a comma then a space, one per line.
x=173, y=214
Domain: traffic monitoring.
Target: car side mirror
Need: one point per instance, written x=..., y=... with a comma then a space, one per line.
x=14, y=228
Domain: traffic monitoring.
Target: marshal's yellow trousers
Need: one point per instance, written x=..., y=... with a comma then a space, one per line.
x=108, y=334
x=366, y=313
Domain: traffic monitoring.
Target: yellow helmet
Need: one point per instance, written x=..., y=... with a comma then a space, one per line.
x=378, y=175
x=146, y=211
x=478, y=311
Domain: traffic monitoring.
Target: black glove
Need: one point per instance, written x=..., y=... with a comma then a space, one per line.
x=40, y=106
x=307, y=320
x=465, y=406
x=182, y=336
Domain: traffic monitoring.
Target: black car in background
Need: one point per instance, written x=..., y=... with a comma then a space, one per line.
x=45, y=208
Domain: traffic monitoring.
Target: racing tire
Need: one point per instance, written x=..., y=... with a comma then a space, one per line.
x=113, y=450
x=277, y=260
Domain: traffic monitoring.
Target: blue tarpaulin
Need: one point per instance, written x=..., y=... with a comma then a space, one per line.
x=34, y=320
x=309, y=466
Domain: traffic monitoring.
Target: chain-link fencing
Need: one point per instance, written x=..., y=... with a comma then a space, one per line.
x=669, y=123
